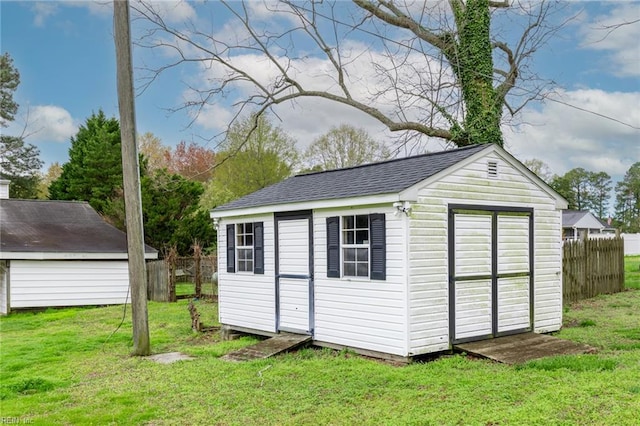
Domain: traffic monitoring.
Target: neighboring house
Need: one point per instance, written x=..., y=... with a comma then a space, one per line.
x=60, y=253
x=399, y=258
x=578, y=224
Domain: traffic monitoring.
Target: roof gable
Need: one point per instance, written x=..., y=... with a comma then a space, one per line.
x=580, y=219
x=385, y=177
x=39, y=226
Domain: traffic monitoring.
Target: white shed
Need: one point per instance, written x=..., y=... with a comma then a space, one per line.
x=60, y=253
x=403, y=257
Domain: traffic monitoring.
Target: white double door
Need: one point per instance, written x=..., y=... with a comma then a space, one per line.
x=491, y=286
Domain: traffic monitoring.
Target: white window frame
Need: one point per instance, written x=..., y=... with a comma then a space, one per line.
x=243, y=247
x=357, y=246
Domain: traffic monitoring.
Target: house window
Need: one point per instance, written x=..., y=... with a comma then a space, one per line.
x=245, y=247
x=356, y=246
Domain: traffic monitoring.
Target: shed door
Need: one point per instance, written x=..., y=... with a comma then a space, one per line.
x=490, y=276
x=294, y=277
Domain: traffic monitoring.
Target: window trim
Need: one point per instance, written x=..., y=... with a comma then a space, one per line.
x=355, y=245
x=243, y=235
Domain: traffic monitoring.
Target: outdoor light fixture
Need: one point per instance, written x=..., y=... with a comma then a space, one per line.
x=402, y=207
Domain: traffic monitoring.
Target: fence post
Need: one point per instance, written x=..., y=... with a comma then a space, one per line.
x=171, y=263
x=197, y=254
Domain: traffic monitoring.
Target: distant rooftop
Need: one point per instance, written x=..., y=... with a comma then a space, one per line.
x=36, y=226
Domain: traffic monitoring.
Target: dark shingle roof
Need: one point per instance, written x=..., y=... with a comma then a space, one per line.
x=370, y=179
x=36, y=226
x=571, y=217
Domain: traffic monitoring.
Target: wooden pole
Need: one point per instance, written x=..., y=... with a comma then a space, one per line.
x=131, y=179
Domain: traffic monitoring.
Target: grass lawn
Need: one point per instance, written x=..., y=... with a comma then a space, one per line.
x=632, y=272
x=68, y=366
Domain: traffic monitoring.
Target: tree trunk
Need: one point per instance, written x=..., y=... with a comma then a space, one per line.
x=471, y=60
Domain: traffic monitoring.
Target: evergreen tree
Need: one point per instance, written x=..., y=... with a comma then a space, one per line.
x=94, y=170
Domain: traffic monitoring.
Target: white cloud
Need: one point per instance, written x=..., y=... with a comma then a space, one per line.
x=50, y=123
x=617, y=33
x=42, y=11
x=566, y=138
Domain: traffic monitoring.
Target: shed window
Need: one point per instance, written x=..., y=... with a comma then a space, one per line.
x=244, y=236
x=356, y=246
x=245, y=248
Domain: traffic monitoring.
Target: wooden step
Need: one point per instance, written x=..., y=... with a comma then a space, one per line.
x=282, y=342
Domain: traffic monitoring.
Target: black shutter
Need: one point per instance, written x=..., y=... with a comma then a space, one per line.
x=231, y=248
x=333, y=247
x=377, y=234
x=258, y=248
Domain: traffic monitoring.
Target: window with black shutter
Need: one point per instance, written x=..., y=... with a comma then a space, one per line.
x=245, y=247
x=356, y=246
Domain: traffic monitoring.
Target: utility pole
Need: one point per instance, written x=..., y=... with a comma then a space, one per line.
x=131, y=179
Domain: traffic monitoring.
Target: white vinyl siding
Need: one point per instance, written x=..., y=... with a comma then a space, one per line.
x=359, y=312
x=44, y=283
x=246, y=299
x=4, y=288
x=428, y=239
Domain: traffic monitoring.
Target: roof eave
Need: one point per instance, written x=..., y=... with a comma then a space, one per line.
x=308, y=205
x=40, y=255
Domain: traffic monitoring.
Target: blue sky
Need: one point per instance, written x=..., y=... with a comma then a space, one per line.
x=66, y=57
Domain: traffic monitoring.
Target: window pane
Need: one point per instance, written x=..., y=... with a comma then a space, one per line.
x=249, y=266
x=248, y=240
x=349, y=255
x=349, y=269
x=347, y=222
x=349, y=237
x=363, y=270
x=248, y=228
x=362, y=221
x=362, y=237
x=363, y=255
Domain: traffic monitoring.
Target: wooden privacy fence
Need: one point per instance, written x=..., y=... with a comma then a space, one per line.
x=591, y=267
x=163, y=275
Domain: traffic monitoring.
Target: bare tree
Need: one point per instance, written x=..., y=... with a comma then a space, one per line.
x=420, y=68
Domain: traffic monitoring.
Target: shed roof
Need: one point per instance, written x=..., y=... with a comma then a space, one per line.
x=369, y=179
x=43, y=226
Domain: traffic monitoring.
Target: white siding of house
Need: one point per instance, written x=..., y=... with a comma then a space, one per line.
x=362, y=313
x=43, y=283
x=4, y=288
x=428, y=279
x=246, y=299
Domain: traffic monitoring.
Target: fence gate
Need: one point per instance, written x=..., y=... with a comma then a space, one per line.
x=490, y=272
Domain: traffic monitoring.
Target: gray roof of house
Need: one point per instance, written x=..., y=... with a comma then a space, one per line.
x=370, y=179
x=57, y=226
x=571, y=217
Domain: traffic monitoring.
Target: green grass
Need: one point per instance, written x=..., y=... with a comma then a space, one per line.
x=68, y=366
x=187, y=288
x=632, y=272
